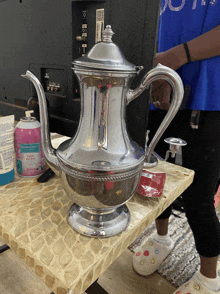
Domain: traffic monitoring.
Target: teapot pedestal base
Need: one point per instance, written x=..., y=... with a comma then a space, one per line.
x=99, y=222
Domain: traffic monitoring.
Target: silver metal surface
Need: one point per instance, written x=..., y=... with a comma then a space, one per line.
x=99, y=223
x=106, y=55
x=48, y=150
x=153, y=161
x=100, y=190
x=175, y=141
x=100, y=166
x=107, y=34
x=28, y=119
x=158, y=73
x=175, y=148
x=179, y=158
x=102, y=142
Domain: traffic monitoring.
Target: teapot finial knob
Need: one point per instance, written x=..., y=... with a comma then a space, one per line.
x=107, y=34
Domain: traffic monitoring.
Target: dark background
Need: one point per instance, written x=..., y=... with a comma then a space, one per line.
x=41, y=36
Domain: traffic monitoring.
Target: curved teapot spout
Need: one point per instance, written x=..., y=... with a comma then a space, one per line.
x=48, y=150
x=158, y=73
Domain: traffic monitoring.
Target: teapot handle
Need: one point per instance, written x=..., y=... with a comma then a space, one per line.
x=158, y=73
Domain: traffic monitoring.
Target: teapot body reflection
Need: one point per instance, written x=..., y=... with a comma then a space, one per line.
x=100, y=167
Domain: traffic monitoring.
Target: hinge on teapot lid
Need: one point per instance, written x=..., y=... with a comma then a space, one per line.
x=107, y=34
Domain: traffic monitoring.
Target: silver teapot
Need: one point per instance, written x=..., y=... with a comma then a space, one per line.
x=100, y=167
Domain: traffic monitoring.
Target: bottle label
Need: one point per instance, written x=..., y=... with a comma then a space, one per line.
x=30, y=160
x=30, y=148
x=6, y=144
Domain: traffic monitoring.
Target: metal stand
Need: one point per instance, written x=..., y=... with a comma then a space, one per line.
x=99, y=223
x=175, y=149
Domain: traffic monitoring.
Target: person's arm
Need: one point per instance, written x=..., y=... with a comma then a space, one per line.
x=202, y=47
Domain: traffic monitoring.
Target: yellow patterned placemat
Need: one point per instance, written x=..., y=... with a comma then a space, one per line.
x=33, y=222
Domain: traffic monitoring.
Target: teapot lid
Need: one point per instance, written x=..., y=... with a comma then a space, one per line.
x=106, y=55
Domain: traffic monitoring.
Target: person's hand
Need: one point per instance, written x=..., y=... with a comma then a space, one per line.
x=161, y=89
x=160, y=94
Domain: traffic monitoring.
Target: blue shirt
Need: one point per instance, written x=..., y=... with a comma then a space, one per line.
x=181, y=21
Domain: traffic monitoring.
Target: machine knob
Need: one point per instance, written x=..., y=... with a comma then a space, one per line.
x=81, y=38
